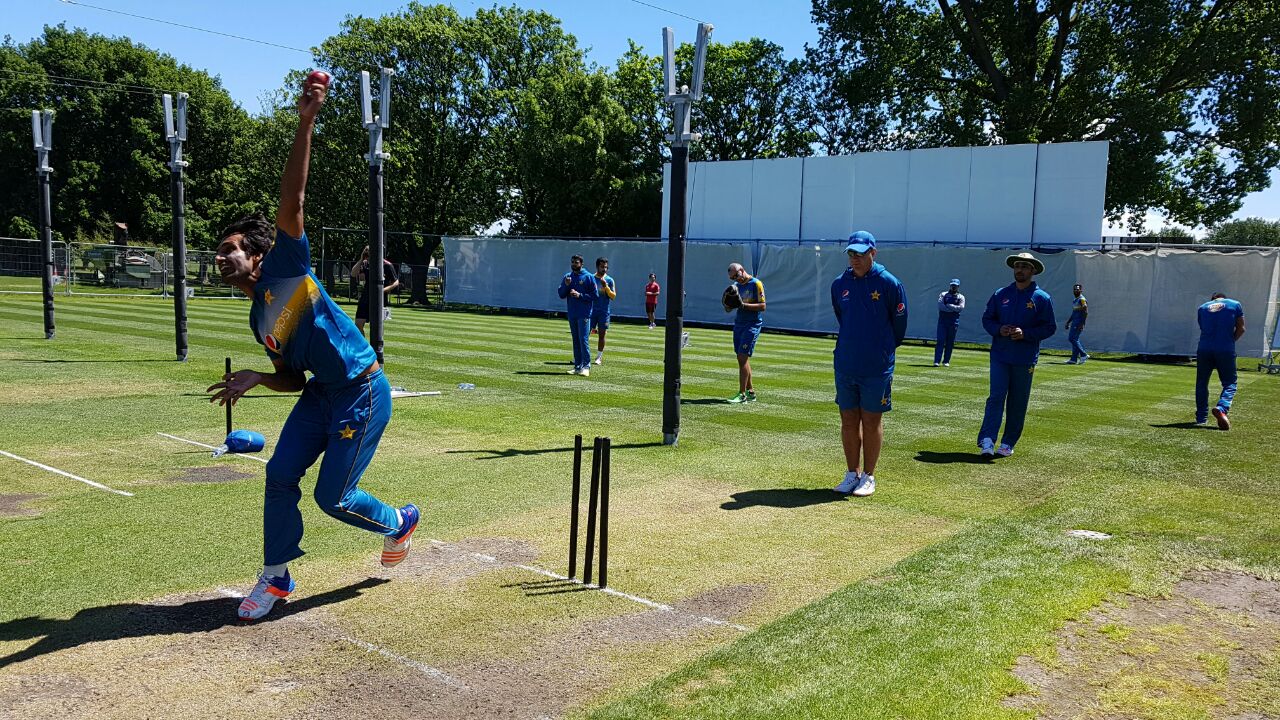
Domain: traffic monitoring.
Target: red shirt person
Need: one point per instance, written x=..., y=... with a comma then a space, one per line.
x=651, y=298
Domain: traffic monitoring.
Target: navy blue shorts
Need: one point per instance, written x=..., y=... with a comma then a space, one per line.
x=744, y=339
x=600, y=320
x=869, y=393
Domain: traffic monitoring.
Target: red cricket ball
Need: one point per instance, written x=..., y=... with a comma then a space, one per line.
x=318, y=76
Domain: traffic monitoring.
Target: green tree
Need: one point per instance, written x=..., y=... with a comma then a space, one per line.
x=110, y=155
x=1187, y=93
x=1249, y=231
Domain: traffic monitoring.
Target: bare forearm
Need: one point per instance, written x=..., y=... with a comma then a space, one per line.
x=293, y=184
x=283, y=381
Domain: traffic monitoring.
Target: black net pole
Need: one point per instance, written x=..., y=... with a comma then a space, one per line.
x=675, y=296
x=179, y=263
x=228, y=377
x=373, y=278
x=46, y=253
x=573, y=505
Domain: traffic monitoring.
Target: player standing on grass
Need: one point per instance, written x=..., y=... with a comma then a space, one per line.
x=871, y=308
x=746, y=328
x=651, y=299
x=1221, y=323
x=578, y=288
x=950, y=305
x=604, y=302
x=345, y=405
x=1018, y=317
x=1075, y=325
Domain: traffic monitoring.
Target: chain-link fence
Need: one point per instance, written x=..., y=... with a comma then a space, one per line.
x=95, y=269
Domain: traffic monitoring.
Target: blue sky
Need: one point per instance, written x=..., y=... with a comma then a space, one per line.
x=248, y=70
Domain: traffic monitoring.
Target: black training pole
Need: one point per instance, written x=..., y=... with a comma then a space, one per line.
x=604, y=513
x=573, y=505
x=179, y=264
x=373, y=278
x=675, y=296
x=592, y=498
x=46, y=254
x=228, y=377
x=176, y=131
x=42, y=139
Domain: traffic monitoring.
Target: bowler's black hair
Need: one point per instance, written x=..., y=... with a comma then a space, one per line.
x=1218, y=295
x=259, y=233
x=604, y=260
x=576, y=257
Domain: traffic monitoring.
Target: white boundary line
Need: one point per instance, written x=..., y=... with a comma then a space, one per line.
x=64, y=473
x=433, y=673
x=606, y=590
x=210, y=447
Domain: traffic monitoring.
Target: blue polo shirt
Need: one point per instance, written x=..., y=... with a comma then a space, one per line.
x=606, y=291
x=751, y=291
x=298, y=323
x=1030, y=309
x=1217, y=320
x=872, y=312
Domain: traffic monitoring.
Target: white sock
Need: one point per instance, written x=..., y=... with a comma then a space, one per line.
x=276, y=570
x=399, y=520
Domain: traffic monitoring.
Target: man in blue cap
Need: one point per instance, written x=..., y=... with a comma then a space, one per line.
x=950, y=304
x=1018, y=317
x=871, y=309
x=345, y=405
x=1075, y=325
x=1221, y=323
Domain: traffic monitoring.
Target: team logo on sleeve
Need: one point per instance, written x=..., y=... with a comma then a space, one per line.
x=901, y=308
x=272, y=344
x=844, y=294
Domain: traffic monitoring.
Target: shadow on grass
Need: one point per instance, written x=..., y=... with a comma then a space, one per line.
x=948, y=458
x=782, y=498
x=566, y=363
x=121, y=360
x=1188, y=425
x=129, y=620
x=516, y=452
x=535, y=588
x=704, y=401
x=206, y=396
x=542, y=372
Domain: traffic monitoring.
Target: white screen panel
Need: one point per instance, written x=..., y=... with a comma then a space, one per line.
x=1002, y=191
x=880, y=194
x=827, y=207
x=938, y=195
x=1071, y=190
x=775, y=198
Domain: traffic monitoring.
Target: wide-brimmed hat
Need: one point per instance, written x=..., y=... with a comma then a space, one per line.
x=1037, y=266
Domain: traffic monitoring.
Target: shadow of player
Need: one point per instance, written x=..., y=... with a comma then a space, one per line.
x=1188, y=425
x=129, y=620
x=516, y=452
x=948, y=458
x=782, y=498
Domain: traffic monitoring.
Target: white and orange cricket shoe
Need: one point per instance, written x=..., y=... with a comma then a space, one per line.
x=265, y=594
x=395, y=548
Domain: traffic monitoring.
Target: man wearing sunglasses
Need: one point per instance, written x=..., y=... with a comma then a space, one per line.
x=871, y=308
x=1019, y=317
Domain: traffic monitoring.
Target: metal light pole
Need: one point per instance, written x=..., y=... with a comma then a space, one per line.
x=176, y=132
x=42, y=138
x=681, y=103
x=375, y=124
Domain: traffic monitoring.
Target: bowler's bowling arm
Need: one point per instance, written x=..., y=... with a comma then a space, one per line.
x=284, y=379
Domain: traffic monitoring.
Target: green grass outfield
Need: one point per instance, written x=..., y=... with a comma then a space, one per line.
x=914, y=603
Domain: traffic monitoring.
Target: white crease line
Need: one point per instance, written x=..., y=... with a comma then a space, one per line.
x=64, y=473
x=423, y=668
x=608, y=591
x=210, y=447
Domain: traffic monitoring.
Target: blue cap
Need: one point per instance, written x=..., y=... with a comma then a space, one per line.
x=861, y=242
x=954, y=281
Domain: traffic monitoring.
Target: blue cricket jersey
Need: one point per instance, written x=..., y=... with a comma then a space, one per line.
x=298, y=323
x=1030, y=309
x=585, y=283
x=1079, y=308
x=949, y=308
x=1217, y=320
x=751, y=291
x=606, y=292
x=872, y=312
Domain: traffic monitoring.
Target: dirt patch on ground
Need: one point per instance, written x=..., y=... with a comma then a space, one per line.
x=211, y=474
x=184, y=655
x=1209, y=650
x=15, y=505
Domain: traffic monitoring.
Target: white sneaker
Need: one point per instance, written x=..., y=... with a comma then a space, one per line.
x=584, y=372
x=935, y=364
x=987, y=447
x=264, y=595
x=599, y=359
x=866, y=486
x=1005, y=450
x=946, y=364
x=851, y=480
